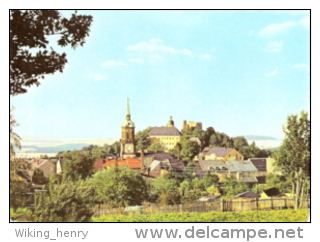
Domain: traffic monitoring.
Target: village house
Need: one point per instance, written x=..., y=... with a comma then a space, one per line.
x=246, y=195
x=159, y=163
x=48, y=166
x=271, y=192
x=220, y=153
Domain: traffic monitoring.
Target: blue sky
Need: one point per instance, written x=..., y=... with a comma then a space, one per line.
x=241, y=72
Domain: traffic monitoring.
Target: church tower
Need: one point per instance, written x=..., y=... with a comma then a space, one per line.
x=128, y=148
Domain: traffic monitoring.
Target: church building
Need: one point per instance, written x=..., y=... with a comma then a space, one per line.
x=128, y=148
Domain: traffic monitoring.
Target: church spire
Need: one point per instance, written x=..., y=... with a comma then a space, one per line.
x=128, y=108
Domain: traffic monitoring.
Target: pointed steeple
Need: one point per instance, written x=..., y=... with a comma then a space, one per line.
x=128, y=108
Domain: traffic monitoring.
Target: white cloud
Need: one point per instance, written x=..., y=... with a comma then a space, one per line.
x=274, y=46
x=97, y=77
x=156, y=46
x=206, y=57
x=137, y=60
x=113, y=63
x=280, y=28
x=274, y=29
x=301, y=66
x=272, y=73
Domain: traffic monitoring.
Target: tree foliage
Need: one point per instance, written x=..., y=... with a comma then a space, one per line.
x=67, y=202
x=38, y=177
x=118, y=187
x=232, y=187
x=79, y=164
x=31, y=54
x=142, y=140
x=293, y=157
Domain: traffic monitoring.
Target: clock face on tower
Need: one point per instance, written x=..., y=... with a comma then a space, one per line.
x=129, y=148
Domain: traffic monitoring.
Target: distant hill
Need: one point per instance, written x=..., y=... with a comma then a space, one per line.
x=258, y=137
x=264, y=142
x=55, y=145
x=51, y=149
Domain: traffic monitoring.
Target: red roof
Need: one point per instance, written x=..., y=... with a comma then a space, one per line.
x=132, y=163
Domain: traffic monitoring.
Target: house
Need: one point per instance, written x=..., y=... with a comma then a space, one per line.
x=48, y=167
x=242, y=171
x=217, y=167
x=220, y=153
x=246, y=195
x=261, y=165
x=167, y=136
x=272, y=192
x=209, y=198
x=130, y=162
x=158, y=163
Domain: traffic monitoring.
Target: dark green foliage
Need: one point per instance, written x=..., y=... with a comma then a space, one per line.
x=20, y=188
x=240, y=142
x=79, y=164
x=155, y=147
x=176, y=151
x=118, y=187
x=293, y=158
x=166, y=190
x=232, y=187
x=67, y=202
x=55, y=179
x=38, y=177
x=189, y=171
x=142, y=141
x=209, y=179
x=189, y=150
x=31, y=55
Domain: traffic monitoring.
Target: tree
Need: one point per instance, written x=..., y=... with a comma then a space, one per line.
x=189, y=150
x=38, y=177
x=142, y=140
x=189, y=171
x=79, y=164
x=166, y=190
x=232, y=187
x=14, y=137
x=19, y=188
x=98, y=153
x=240, y=142
x=155, y=147
x=214, y=141
x=118, y=187
x=67, y=202
x=293, y=157
x=209, y=179
x=176, y=151
x=31, y=55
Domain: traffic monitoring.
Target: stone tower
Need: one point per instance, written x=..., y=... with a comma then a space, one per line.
x=128, y=148
x=170, y=123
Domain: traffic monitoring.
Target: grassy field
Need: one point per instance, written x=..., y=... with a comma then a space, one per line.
x=253, y=216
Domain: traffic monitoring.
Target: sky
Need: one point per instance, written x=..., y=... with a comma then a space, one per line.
x=241, y=72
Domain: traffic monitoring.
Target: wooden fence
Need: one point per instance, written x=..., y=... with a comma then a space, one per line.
x=217, y=205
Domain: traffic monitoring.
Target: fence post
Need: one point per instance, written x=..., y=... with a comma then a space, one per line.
x=249, y=204
x=257, y=203
x=221, y=204
x=271, y=202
